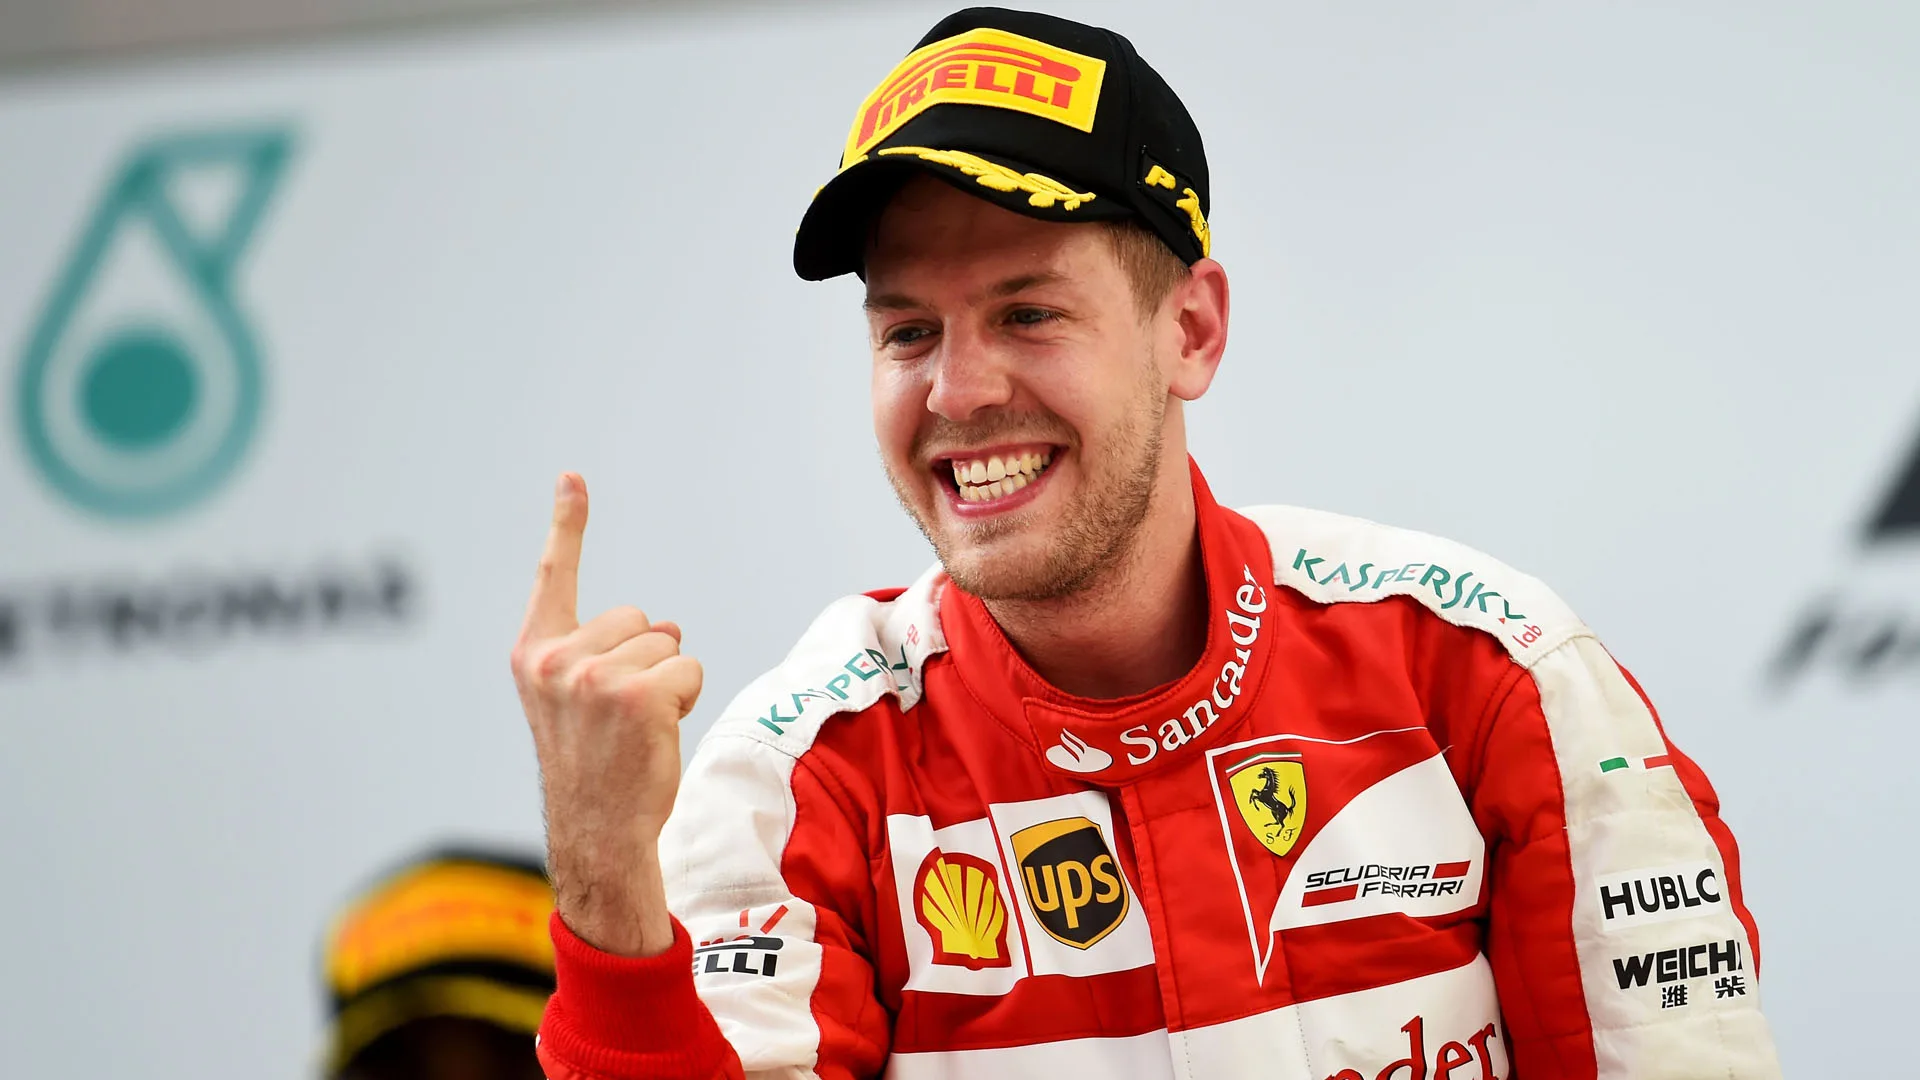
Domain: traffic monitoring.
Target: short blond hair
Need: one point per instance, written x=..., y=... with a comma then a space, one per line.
x=1150, y=265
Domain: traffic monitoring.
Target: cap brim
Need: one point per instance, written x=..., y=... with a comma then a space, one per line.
x=833, y=234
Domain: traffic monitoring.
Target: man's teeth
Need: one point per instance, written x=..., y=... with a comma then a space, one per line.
x=981, y=479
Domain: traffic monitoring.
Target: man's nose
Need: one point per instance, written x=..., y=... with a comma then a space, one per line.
x=968, y=376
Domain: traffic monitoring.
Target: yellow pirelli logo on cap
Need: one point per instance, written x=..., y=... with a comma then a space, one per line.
x=981, y=67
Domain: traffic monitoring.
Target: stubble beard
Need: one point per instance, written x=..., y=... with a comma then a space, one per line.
x=1091, y=538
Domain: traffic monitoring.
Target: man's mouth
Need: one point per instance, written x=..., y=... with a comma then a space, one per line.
x=990, y=477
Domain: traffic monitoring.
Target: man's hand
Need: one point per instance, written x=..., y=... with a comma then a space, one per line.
x=605, y=701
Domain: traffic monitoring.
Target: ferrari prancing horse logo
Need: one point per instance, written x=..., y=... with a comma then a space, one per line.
x=1271, y=791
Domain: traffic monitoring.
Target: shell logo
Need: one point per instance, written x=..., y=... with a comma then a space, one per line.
x=957, y=899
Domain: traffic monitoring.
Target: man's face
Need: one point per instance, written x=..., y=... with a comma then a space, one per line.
x=1018, y=391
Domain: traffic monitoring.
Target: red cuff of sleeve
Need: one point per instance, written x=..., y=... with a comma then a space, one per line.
x=624, y=1016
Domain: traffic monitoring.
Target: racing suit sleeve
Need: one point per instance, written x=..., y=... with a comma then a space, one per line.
x=1619, y=937
x=769, y=974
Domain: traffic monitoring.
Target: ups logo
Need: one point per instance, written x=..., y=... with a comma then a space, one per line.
x=1072, y=882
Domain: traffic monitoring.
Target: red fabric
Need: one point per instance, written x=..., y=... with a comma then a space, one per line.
x=618, y=1016
x=855, y=1030
x=1514, y=790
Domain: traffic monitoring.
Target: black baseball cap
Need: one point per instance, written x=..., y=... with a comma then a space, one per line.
x=1051, y=118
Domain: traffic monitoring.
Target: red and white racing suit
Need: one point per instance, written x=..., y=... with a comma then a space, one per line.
x=1405, y=819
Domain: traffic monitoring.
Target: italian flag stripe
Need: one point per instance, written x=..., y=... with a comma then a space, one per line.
x=1653, y=762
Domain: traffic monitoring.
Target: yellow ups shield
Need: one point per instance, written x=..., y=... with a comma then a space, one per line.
x=1073, y=883
x=1271, y=791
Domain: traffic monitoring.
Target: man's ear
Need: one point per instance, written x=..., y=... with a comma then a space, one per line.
x=1199, y=308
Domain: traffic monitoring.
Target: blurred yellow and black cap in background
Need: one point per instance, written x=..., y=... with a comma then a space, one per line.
x=458, y=934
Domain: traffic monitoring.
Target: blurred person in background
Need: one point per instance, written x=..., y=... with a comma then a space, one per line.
x=440, y=971
x=1130, y=785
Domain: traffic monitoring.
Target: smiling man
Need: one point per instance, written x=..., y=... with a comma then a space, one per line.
x=1129, y=784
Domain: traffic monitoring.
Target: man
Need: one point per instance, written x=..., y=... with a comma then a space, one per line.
x=1130, y=784
x=440, y=972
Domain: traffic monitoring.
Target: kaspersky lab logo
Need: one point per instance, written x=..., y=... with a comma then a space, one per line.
x=141, y=383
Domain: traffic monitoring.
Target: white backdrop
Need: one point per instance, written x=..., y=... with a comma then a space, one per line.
x=1621, y=294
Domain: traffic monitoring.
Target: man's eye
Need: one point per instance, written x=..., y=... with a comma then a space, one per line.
x=1031, y=316
x=907, y=335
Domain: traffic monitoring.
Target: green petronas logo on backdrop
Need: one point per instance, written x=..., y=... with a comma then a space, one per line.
x=141, y=383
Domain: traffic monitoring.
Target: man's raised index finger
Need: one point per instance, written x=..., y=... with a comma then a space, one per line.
x=556, y=586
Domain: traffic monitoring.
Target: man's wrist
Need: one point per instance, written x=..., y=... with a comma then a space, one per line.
x=625, y=915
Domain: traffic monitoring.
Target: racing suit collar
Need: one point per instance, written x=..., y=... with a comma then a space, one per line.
x=1111, y=743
